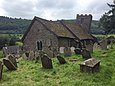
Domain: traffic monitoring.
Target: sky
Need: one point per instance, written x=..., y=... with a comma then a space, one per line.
x=53, y=9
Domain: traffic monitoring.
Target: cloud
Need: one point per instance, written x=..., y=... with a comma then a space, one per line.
x=53, y=9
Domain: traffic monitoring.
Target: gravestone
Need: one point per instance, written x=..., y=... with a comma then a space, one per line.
x=77, y=51
x=24, y=56
x=86, y=54
x=9, y=64
x=31, y=55
x=1, y=69
x=61, y=60
x=96, y=46
x=12, y=59
x=61, y=50
x=67, y=51
x=90, y=65
x=72, y=50
x=89, y=47
x=46, y=62
x=103, y=44
x=37, y=55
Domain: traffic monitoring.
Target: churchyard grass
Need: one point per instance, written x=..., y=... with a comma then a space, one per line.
x=30, y=73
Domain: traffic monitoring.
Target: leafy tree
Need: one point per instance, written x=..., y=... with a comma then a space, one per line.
x=3, y=41
x=107, y=21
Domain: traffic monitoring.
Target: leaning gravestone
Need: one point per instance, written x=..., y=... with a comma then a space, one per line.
x=103, y=44
x=61, y=60
x=67, y=51
x=77, y=51
x=46, y=62
x=12, y=59
x=1, y=68
x=9, y=64
x=86, y=54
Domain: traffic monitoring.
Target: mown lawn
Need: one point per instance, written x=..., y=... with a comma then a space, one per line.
x=30, y=73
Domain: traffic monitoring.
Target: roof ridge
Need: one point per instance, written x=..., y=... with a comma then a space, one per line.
x=38, y=18
x=62, y=22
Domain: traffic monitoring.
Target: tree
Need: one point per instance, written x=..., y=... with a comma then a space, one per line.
x=107, y=21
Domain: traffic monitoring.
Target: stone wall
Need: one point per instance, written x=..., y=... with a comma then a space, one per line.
x=39, y=33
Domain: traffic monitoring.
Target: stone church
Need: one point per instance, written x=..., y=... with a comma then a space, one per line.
x=49, y=36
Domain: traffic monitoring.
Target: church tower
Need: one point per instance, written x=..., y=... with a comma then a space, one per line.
x=85, y=21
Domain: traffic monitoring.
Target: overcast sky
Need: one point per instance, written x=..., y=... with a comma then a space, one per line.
x=53, y=9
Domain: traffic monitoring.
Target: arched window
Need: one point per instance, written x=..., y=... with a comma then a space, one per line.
x=39, y=45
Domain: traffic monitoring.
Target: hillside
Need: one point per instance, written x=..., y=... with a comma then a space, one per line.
x=13, y=25
x=16, y=26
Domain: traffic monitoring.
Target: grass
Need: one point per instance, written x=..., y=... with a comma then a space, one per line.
x=8, y=35
x=30, y=73
x=101, y=35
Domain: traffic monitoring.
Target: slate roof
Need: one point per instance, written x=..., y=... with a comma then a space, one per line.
x=77, y=30
x=57, y=28
x=62, y=29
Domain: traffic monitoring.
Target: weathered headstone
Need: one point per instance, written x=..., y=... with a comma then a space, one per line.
x=31, y=55
x=46, y=62
x=89, y=47
x=103, y=44
x=24, y=56
x=9, y=64
x=72, y=50
x=90, y=65
x=77, y=51
x=37, y=55
x=67, y=51
x=61, y=60
x=1, y=68
x=12, y=59
x=86, y=54
x=96, y=46
x=61, y=50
